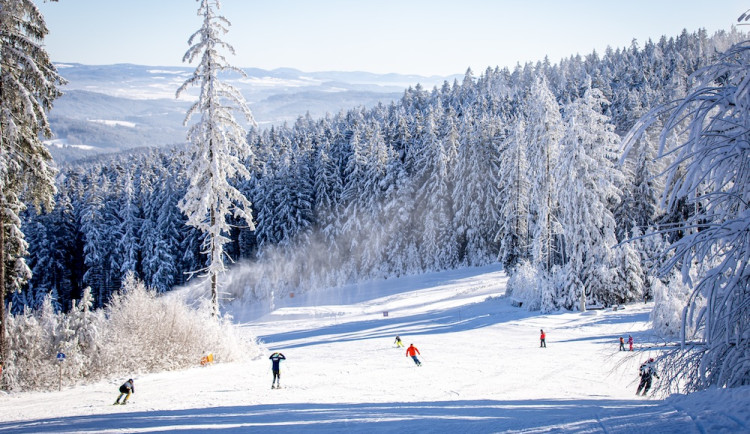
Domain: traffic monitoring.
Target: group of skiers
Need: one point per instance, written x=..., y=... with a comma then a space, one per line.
x=277, y=357
x=647, y=369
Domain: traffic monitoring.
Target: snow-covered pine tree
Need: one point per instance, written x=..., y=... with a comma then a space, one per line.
x=327, y=188
x=100, y=226
x=433, y=199
x=477, y=188
x=352, y=222
x=628, y=278
x=379, y=158
x=586, y=185
x=160, y=235
x=129, y=245
x=402, y=255
x=51, y=239
x=219, y=143
x=28, y=86
x=640, y=199
x=39, y=259
x=544, y=129
x=514, y=206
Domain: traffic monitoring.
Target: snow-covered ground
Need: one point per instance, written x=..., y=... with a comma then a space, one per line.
x=483, y=371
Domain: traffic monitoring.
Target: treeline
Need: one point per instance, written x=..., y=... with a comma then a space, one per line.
x=520, y=166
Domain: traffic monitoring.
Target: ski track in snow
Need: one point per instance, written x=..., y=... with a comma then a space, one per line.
x=483, y=371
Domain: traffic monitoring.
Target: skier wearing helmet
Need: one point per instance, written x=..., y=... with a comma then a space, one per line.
x=126, y=389
x=647, y=371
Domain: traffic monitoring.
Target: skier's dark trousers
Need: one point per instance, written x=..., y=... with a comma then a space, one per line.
x=276, y=359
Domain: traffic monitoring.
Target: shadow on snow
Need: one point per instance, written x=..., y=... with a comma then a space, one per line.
x=457, y=319
x=492, y=311
x=441, y=416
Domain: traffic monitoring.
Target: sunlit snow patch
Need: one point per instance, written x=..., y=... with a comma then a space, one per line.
x=112, y=123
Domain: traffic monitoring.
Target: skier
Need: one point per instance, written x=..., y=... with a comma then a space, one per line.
x=630, y=342
x=542, y=339
x=276, y=359
x=398, y=342
x=647, y=370
x=126, y=389
x=622, y=344
x=413, y=351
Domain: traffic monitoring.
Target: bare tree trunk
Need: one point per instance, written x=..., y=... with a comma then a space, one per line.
x=214, y=289
x=2, y=289
x=583, y=299
x=214, y=296
x=3, y=353
x=548, y=231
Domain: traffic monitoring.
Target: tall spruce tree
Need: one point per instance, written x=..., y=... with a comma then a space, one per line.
x=544, y=129
x=28, y=86
x=587, y=184
x=219, y=144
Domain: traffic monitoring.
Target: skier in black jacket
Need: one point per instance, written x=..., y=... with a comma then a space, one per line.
x=126, y=389
x=647, y=370
x=276, y=359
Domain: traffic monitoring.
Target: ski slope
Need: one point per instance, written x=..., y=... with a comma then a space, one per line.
x=483, y=371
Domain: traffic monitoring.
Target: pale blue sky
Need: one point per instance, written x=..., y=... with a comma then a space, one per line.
x=426, y=37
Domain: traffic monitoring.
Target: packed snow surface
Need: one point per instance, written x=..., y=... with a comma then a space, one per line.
x=483, y=371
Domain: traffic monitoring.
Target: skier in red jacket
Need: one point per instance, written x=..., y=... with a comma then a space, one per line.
x=413, y=351
x=542, y=339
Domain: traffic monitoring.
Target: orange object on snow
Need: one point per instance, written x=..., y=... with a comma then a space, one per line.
x=412, y=351
x=207, y=359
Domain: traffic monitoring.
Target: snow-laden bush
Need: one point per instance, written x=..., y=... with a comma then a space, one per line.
x=524, y=286
x=137, y=332
x=80, y=339
x=150, y=333
x=31, y=355
x=670, y=302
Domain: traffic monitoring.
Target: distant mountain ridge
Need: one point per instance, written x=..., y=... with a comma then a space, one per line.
x=111, y=108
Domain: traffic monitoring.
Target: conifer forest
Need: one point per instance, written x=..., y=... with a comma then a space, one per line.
x=524, y=166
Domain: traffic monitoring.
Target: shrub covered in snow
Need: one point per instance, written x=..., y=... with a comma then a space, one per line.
x=669, y=304
x=523, y=286
x=148, y=333
x=137, y=332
